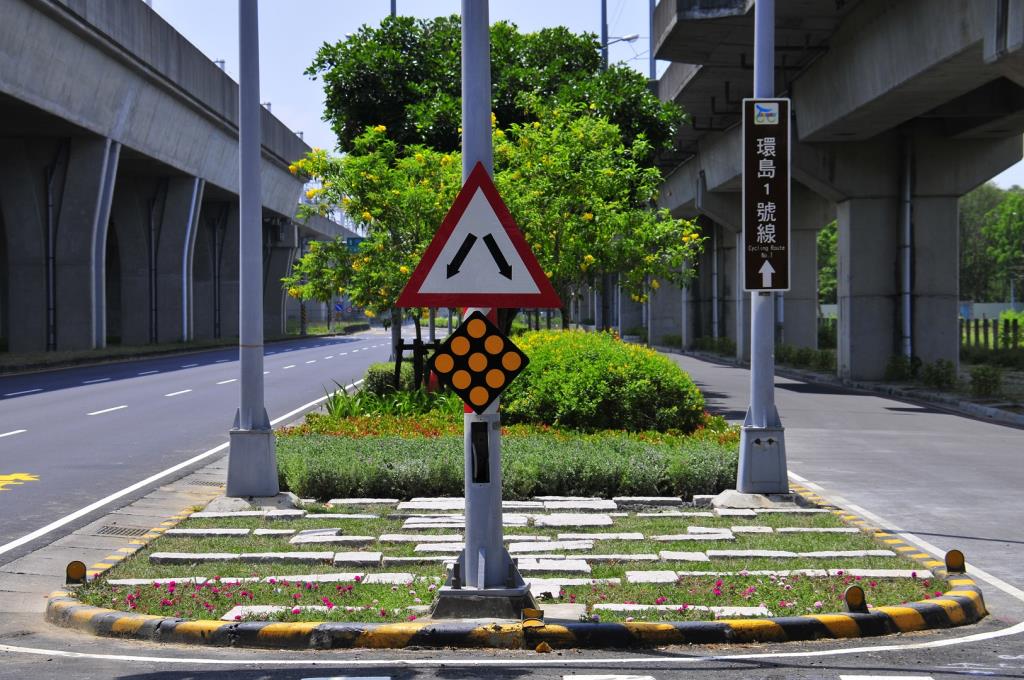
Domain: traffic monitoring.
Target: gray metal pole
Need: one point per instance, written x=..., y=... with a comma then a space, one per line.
x=652, y=66
x=762, y=464
x=394, y=7
x=604, y=34
x=252, y=464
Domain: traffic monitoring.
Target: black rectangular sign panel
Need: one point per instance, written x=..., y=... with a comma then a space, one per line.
x=766, y=194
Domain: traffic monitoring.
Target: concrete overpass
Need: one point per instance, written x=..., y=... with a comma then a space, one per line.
x=899, y=109
x=119, y=182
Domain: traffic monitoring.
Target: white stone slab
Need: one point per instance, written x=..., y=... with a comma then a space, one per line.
x=815, y=530
x=645, y=501
x=682, y=556
x=752, y=529
x=595, y=505
x=264, y=611
x=734, y=512
x=419, y=559
x=720, y=554
x=326, y=539
x=390, y=578
x=672, y=538
x=284, y=514
x=206, y=532
x=545, y=546
x=816, y=573
x=566, y=498
x=190, y=558
x=227, y=515
x=572, y=520
x=706, y=530
x=434, y=504
x=326, y=531
x=444, y=547
x=848, y=553
x=675, y=513
x=271, y=557
x=717, y=611
x=362, y=501
x=653, y=576
x=792, y=511
x=881, y=573
x=340, y=515
x=185, y=580
x=527, y=566
x=419, y=538
x=621, y=557
x=357, y=558
x=508, y=538
x=522, y=505
x=598, y=536
x=273, y=532
x=552, y=587
x=429, y=527
x=342, y=577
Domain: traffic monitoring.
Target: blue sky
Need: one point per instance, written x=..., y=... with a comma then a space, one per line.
x=291, y=31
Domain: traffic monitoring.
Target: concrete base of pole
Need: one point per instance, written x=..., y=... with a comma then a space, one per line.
x=733, y=499
x=474, y=603
x=252, y=464
x=762, y=467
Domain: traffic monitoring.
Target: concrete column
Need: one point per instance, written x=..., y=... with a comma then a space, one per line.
x=131, y=216
x=208, y=241
x=631, y=313
x=810, y=213
x=23, y=212
x=175, y=250
x=277, y=262
x=228, y=278
x=665, y=313
x=935, y=290
x=81, y=241
x=734, y=321
x=867, y=285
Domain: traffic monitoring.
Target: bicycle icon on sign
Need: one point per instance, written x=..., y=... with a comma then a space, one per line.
x=766, y=113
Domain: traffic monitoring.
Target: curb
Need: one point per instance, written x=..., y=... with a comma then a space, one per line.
x=962, y=606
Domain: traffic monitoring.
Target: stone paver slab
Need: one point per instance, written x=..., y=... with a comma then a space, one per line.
x=544, y=546
x=357, y=558
x=340, y=515
x=206, y=532
x=816, y=530
x=597, y=505
x=792, y=511
x=273, y=532
x=672, y=538
x=675, y=513
x=682, y=556
x=720, y=554
x=652, y=576
x=419, y=538
x=552, y=587
x=419, y=559
x=390, y=578
x=752, y=529
x=227, y=515
x=621, y=557
x=734, y=512
x=190, y=558
x=363, y=501
x=599, y=536
x=527, y=565
x=572, y=520
x=817, y=573
x=342, y=577
x=323, y=539
x=647, y=501
x=719, y=612
x=443, y=547
x=882, y=573
x=848, y=553
x=297, y=556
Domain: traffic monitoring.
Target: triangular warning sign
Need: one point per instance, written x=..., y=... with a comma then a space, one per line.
x=478, y=257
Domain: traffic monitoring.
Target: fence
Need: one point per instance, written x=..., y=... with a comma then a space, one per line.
x=990, y=333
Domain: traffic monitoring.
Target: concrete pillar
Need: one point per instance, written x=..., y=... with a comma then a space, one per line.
x=665, y=313
x=23, y=211
x=734, y=322
x=277, y=262
x=132, y=216
x=810, y=213
x=209, y=238
x=867, y=285
x=935, y=289
x=631, y=312
x=174, y=254
x=81, y=241
x=228, y=275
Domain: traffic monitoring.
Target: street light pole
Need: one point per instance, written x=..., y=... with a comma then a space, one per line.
x=604, y=34
x=252, y=464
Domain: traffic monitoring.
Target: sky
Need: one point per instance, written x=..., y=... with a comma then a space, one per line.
x=291, y=31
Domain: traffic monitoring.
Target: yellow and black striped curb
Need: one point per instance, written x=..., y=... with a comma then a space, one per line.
x=958, y=607
x=96, y=569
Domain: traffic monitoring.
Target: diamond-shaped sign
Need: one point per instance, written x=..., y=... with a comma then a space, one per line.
x=477, y=362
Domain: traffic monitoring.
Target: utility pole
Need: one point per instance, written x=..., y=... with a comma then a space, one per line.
x=762, y=461
x=604, y=35
x=394, y=8
x=652, y=67
x=252, y=463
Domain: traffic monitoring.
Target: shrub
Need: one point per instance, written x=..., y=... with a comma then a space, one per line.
x=640, y=331
x=986, y=381
x=594, y=381
x=899, y=369
x=380, y=378
x=671, y=340
x=394, y=403
x=940, y=376
x=803, y=357
x=824, y=360
x=784, y=354
x=604, y=464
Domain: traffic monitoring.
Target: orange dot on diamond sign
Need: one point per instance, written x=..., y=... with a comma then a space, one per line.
x=443, y=363
x=494, y=344
x=476, y=328
x=495, y=378
x=478, y=395
x=511, y=361
x=461, y=380
x=477, y=362
x=460, y=345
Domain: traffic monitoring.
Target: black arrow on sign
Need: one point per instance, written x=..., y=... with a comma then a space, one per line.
x=499, y=259
x=460, y=257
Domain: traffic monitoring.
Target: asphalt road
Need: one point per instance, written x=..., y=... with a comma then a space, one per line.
x=91, y=431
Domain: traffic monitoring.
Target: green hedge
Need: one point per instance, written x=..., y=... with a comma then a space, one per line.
x=380, y=378
x=605, y=464
x=594, y=381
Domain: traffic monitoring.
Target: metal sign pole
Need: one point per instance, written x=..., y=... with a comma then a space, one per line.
x=762, y=460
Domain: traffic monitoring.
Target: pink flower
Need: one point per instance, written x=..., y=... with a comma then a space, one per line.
x=938, y=593
x=383, y=612
x=296, y=610
x=166, y=603
x=410, y=617
x=432, y=587
x=873, y=584
x=296, y=596
x=818, y=604
x=913, y=574
x=629, y=618
x=327, y=603
x=271, y=580
x=840, y=572
x=238, y=617
x=661, y=600
x=358, y=578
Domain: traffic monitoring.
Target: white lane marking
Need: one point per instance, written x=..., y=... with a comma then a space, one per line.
x=95, y=380
x=352, y=677
x=343, y=354
x=288, y=366
x=107, y=410
x=147, y=372
x=7, y=547
x=608, y=677
x=15, y=394
x=354, y=351
x=329, y=357
x=8, y=434
x=311, y=361
x=666, y=660
x=174, y=394
x=221, y=361
x=266, y=372
x=189, y=365
x=882, y=677
x=225, y=382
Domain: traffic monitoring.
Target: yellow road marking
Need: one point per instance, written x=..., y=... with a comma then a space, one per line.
x=16, y=479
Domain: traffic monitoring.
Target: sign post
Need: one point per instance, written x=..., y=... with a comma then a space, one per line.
x=479, y=259
x=766, y=196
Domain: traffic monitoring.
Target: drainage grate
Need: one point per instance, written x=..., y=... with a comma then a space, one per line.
x=114, y=530
x=205, y=483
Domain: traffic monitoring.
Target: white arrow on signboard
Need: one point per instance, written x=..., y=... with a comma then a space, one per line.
x=766, y=272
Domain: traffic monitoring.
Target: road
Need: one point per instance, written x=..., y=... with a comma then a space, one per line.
x=88, y=432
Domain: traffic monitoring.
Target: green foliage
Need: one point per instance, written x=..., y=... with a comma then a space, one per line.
x=321, y=273
x=986, y=381
x=977, y=280
x=1004, y=235
x=592, y=380
x=824, y=360
x=902, y=369
x=380, y=378
x=803, y=357
x=784, y=354
x=671, y=340
x=827, y=269
x=940, y=375
x=721, y=345
x=602, y=464
x=393, y=403
x=827, y=333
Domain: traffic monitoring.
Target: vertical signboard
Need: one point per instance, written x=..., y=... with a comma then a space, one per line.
x=766, y=194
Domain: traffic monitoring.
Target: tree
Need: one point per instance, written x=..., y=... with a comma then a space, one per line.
x=827, y=246
x=321, y=273
x=1004, y=235
x=405, y=74
x=976, y=267
x=399, y=195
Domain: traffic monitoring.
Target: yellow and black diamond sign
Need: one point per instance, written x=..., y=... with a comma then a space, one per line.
x=478, y=362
